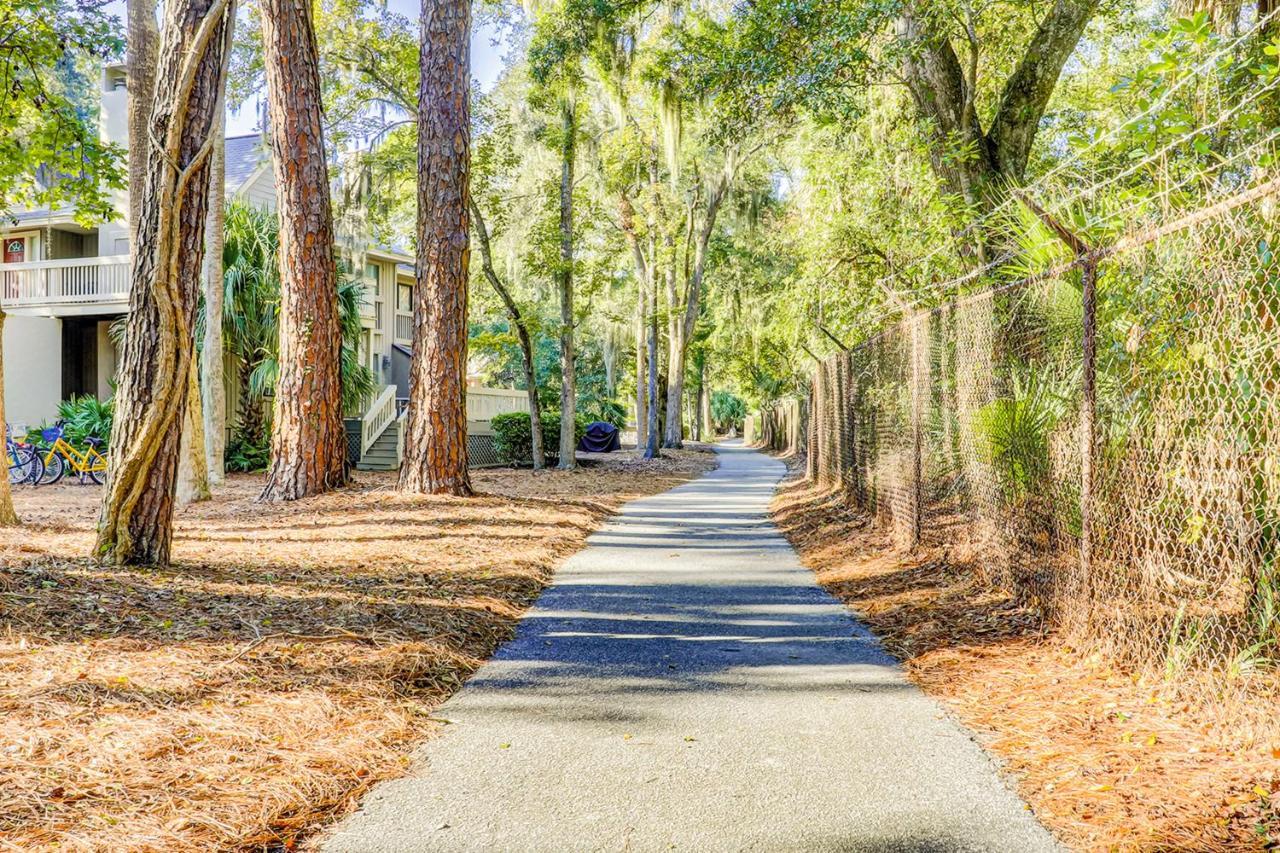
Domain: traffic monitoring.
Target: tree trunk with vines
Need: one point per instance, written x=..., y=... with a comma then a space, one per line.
x=136, y=524
x=308, y=442
x=193, y=476
x=212, y=392
x=436, y=437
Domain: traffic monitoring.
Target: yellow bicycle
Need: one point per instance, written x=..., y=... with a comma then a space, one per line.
x=61, y=456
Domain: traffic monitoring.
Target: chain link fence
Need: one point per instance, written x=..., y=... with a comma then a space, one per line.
x=1101, y=439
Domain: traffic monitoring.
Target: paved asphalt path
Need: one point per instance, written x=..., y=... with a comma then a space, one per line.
x=684, y=685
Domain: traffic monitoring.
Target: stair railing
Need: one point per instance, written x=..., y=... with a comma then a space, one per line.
x=375, y=421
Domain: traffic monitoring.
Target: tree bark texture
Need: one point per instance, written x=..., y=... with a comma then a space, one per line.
x=945, y=92
x=252, y=422
x=8, y=515
x=436, y=441
x=628, y=215
x=308, y=442
x=136, y=523
x=698, y=420
x=143, y=45
x=708, y=429
x=568, y=374
x=213, y=393
x=193, y=476
x=651, y=442
x=642, y=391
x=522, y=334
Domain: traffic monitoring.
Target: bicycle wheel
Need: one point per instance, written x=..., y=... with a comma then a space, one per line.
x=22, y=462
x=97, y=467
x=37, y=468
x=54, y=467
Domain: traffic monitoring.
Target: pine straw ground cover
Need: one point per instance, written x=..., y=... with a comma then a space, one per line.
x=1105, y=758
x=289, y=659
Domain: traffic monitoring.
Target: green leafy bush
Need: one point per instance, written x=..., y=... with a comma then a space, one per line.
x=244, y=454
x=727, y=410
x=602, y=409
x=85, y=416
x=513, y=438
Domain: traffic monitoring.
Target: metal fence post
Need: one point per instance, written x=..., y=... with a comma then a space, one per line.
x=1088, y=413
x=917, y=433
x=811, y=460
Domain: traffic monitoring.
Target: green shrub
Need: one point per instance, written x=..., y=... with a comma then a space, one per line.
x=609, y=411
x=85, y=416
x=246, y=455
x=727, y=410
x=513, y=439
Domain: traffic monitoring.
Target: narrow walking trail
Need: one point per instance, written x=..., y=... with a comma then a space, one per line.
x=685, y=685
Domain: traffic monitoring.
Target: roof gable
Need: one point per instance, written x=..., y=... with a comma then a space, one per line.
x=242, y=156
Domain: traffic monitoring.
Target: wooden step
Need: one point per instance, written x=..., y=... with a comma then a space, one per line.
x=382, y=455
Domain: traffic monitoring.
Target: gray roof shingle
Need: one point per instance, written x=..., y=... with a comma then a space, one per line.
x=244, y=154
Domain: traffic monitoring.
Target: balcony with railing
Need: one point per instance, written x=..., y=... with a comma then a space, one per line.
x=69, y=286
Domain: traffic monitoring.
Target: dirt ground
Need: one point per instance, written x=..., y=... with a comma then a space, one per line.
x=1106, y=759
x=289, y=659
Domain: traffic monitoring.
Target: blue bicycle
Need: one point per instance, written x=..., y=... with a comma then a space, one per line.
x=23, y=460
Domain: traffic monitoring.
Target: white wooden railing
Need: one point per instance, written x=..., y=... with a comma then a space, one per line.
x=375, y=421
x=484, y=403
x=74, y=280
x=404, y=326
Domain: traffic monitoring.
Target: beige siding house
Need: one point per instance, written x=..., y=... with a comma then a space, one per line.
x=63, y=285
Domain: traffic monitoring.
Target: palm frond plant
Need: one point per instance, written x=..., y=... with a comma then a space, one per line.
x=251, y=305
x=251, y=313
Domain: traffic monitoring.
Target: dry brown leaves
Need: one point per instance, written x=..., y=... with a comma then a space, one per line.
x=1105, y=757
x=289, y=659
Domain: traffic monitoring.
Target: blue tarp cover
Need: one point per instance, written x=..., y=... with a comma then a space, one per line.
x=600, y=437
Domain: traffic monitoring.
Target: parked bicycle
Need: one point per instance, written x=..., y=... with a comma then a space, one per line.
x=23, y=460
x=61, y=457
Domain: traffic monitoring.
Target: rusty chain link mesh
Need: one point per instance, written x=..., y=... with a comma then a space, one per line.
x=962, y=426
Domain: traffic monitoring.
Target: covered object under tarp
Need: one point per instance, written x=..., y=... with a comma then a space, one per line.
x=600, y=437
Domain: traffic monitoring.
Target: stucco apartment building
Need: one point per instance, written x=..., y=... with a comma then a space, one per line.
x=63, y=285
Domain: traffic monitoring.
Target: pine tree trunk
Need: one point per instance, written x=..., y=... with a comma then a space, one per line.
x=136, y=524
x=308, y=442
x=8, y=515
x=212, y=391
x=568, y=374
x=140, y=67
x=436, y=439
